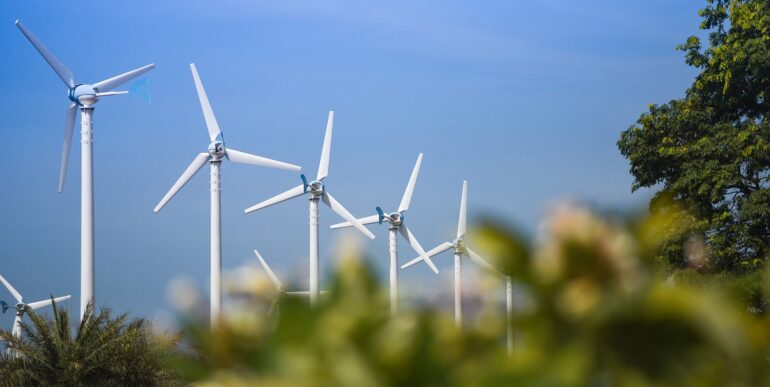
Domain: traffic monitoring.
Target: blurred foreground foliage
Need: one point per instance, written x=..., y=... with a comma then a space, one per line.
x=593, y=308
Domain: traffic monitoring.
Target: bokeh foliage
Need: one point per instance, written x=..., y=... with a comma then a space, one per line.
x=592, y=309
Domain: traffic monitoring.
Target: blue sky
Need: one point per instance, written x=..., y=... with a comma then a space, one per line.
x=524, y=99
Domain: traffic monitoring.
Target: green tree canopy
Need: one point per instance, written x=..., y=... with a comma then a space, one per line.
x=708, y=152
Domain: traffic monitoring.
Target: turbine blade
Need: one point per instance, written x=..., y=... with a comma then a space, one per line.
x=292, y=193
x=433, y=252
x=407, y=234
x=141, y=89
x=111, y=93
x=246, y=158
x=323, y=166
x=40, y=304
x=273, y=306
x=208, y=113
x=463, y=210
x=332, y=203
x=65, y=152
x=188, y=173
x=410, y=186
x=368, y=220
x=109, y=84
x=479, y=260
x=11, y=289
x=61, y=70
x=269, y=271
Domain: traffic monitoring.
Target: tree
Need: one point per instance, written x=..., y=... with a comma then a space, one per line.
x=104, y=351
x=708, y=151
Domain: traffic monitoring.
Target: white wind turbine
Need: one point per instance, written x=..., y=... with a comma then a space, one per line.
x=214, y=156
x=317, y=191
x=397, y=225
x=82, y=96
x=460, y=249
x=22, y=307
x=278, y=285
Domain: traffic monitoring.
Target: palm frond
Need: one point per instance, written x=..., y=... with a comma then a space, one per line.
x=102, y=350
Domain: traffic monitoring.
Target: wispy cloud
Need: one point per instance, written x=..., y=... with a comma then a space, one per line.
x=463, y=34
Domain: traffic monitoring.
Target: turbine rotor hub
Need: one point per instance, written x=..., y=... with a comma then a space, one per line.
x=20, y=309
x=217, y=150
x=395, y=218
x=315, y=188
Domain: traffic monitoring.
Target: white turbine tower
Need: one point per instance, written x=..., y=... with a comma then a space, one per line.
x=460, y=249
x=317, y=191
x=509, y=313
x=397, y=225
x=82, y=96
x=216, y=152
x=278, y=285
x=22, y=308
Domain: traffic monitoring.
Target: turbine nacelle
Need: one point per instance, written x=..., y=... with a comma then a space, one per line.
x=394, y=218
x=21, y=308
x=459, y=245
x=83, y=95
x=217, y=149
x=314, y=188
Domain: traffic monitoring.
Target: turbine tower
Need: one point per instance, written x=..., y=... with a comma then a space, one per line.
x=460, y=249
x=316, y=191
x=82, y=96
x=22, y=308
x=396, y=225
x=509, y=314
x=214, y=156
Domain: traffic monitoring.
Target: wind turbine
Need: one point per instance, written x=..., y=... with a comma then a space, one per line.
x=396, y=225
x=316, y=190
x=82, y=96
x=22, y=307
x=460, y=249
x=214, y=156
x=278, y=286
